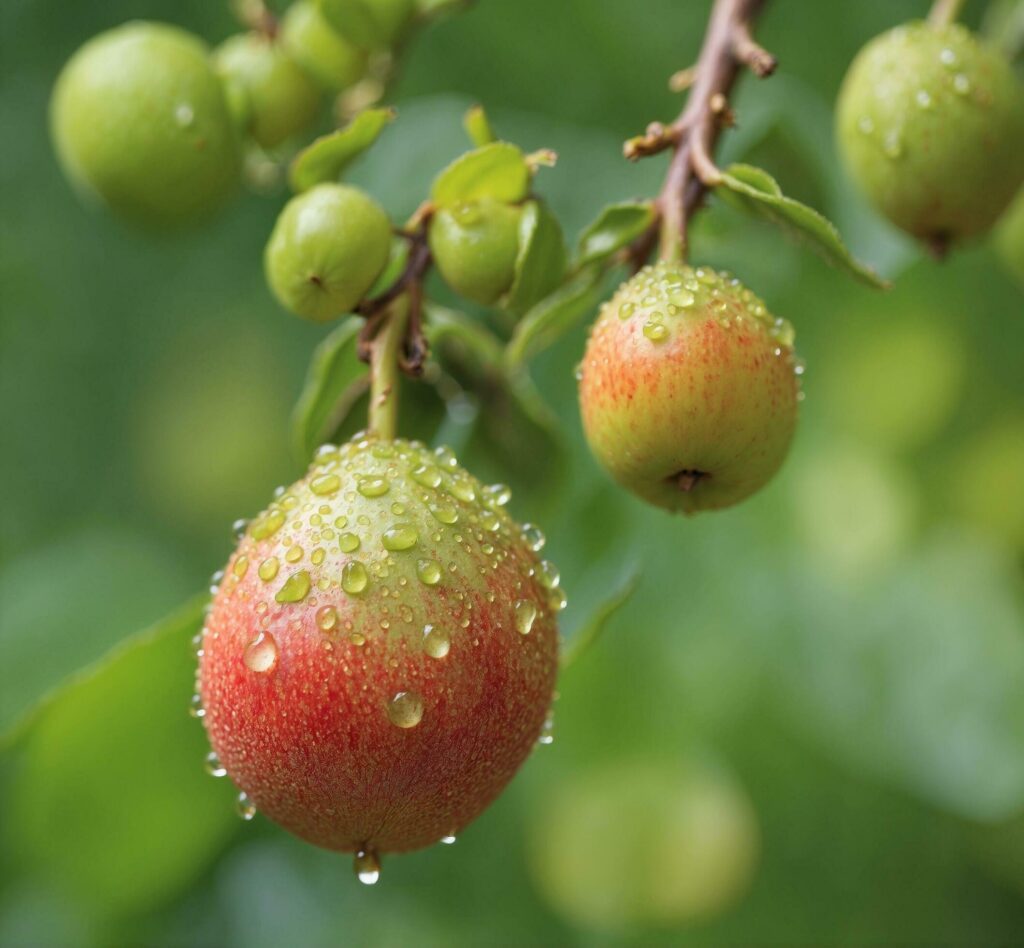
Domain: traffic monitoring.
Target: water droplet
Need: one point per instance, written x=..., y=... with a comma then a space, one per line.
x=327, y=484
x=357, y=638
x=213, y=766
x=448, y=840
x=239, y=527
x=261, y=653
x=489, y=520
x=948, y=58
x=683, y=298
x=463, y=489
x=373, y=486
x=865, y=125
x=295, y=588
x=241, y=566
x=405, y=709
x=892, y=144
x=961, y=84
x=366, y=866
x=923, y=99
x=327, y=617
x=426, y=475
x=245, y=808
x=656, y=332
x=445, y=513
x=429, y=572
x=534, y=537
x=318, y=556
x=558, y=599
x=348, y=542
x=268, y=568
x=436, y=642
x=294, y=554
x=195, y=707
x=547, y=731
x=446, y=457
x=268, y=525
x=354, y=578
x=498, y=494
x=548, y=574
x=184, y=115
x=526, y=614
x=400, y=536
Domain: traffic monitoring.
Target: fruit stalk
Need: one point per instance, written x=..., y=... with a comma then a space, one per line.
x=727, y=46
x=384, y=369
x=944, y=12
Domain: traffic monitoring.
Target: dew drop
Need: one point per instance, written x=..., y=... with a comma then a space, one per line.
x=268, y=568
x=626, y=310
x=448, y=840
x=354, y=578
x=656, y=332
x=436, y=642
x=213, y=766
x=327, y=618
x=961, y=84
x=489, y=520
x=498, y=494
x=348, y=542
x=241, y=566
x=400, y=536
x=294, y=554
x=366, y=866
x=295, y=588
x=526, y=614
x=239, y=527
x=547, y=731
x=948, y=58
x=446, y=457
x=463, y=489
x=244, y=807
x=195, y=707
x=261, y=654
x=405, y=709
x=373, y=486
x=327, y=484
x=534, y=537
x=428, y=572
x=445, y=513
x=548, y=574
x=268, y=525
x=426, y=475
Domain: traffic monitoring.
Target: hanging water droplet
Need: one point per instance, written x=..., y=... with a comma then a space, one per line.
x=526, y=614
x=213, y=766
x=428, y=572
x=366, y=866
x=547, y=731
x=400, y=536
x=446, y=457
x=245, y=808
x=354, y=578
x=489, y=520
x=448, y=840
x=261, y=654
x=405, y=709
x=533, y=537
x=195, y=707
x=548, y=574
x=436, y=642
x=239, y=527
x=295, y=588
x=498, y=494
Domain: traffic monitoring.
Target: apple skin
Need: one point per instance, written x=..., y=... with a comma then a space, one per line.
x=326, y=55
x=689, y=389
x=930, y=124
x=326, y=250
x=309, y=737
x=141, y=122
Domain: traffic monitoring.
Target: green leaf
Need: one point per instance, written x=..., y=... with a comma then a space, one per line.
x=62, y=606
x=498, y=171
x=596, y=622
x=444, y=326
x=109, y=798
x=617, y=226
x=757, y=192
x=328, y=156
x=541, y=262
x=336, y=379
x=478, y=126
x=553, y=316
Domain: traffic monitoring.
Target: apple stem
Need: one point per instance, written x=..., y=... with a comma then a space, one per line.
x=728, y=45
x=385, y=351
x=944, y=12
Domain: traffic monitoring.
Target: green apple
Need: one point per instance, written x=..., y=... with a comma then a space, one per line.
x=319, y=49
x=140, y=121
x=329, y=245
x=370, y=24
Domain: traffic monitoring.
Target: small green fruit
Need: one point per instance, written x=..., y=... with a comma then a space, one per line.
x=140, y=120
x=282, y=99
x=930, y=121
x=475, y=244
x=689, y=388
x=370, y=24
x=327, y=56
x=327, y=248
x=1009, y=240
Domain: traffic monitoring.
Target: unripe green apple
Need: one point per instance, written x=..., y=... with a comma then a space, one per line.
x=930, y=121
x=329, y=245
x=319, y=49
x=381, y=654
x=282, y=99
x=370, y=24
x=689, y=388
x=140, y=120
x=474, y=244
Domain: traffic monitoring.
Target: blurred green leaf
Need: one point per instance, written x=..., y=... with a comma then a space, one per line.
x=478, y=126
x=328, y=156
x=540, y=264
x=109, y=796
x=498, y=171
x=336, y=379
x=446, y=326
x=617, y=226
x=755, y=191
x=545, y=322
x=63, y=606
x=590, y=631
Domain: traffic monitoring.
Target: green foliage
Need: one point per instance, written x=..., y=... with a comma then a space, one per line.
x=497, y=171
x=540, y=262
x=615, y=228
x=327, y=157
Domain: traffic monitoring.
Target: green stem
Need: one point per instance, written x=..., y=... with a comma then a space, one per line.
x=944, y=12
x=384, y=370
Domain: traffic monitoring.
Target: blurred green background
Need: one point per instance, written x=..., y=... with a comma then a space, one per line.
x=816, y=699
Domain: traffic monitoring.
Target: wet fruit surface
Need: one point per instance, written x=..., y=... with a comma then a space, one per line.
x=689, y=388
x=367, y=678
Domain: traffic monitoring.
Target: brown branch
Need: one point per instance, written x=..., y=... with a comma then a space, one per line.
x=728, y=46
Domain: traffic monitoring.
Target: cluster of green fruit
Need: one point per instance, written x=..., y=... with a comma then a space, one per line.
x=150, y=121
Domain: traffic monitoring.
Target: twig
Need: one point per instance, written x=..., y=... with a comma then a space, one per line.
x=944, y=12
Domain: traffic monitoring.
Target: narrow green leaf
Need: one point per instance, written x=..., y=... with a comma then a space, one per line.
x=498, y=171
x=595, y=624
x=478, y=126
x=756, y=192
x=336, y=379
x=617, y=226
x=553, y=316
x=541, y=262
x=328, y=156
x=109, y=797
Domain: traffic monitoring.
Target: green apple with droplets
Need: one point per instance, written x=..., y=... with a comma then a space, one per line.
x=475, y=244
x=141, y=123
x=327, y=249
x=930, y=122
x=689, y=388
x=319, y=49
x=281, y=99
x=381, y=652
